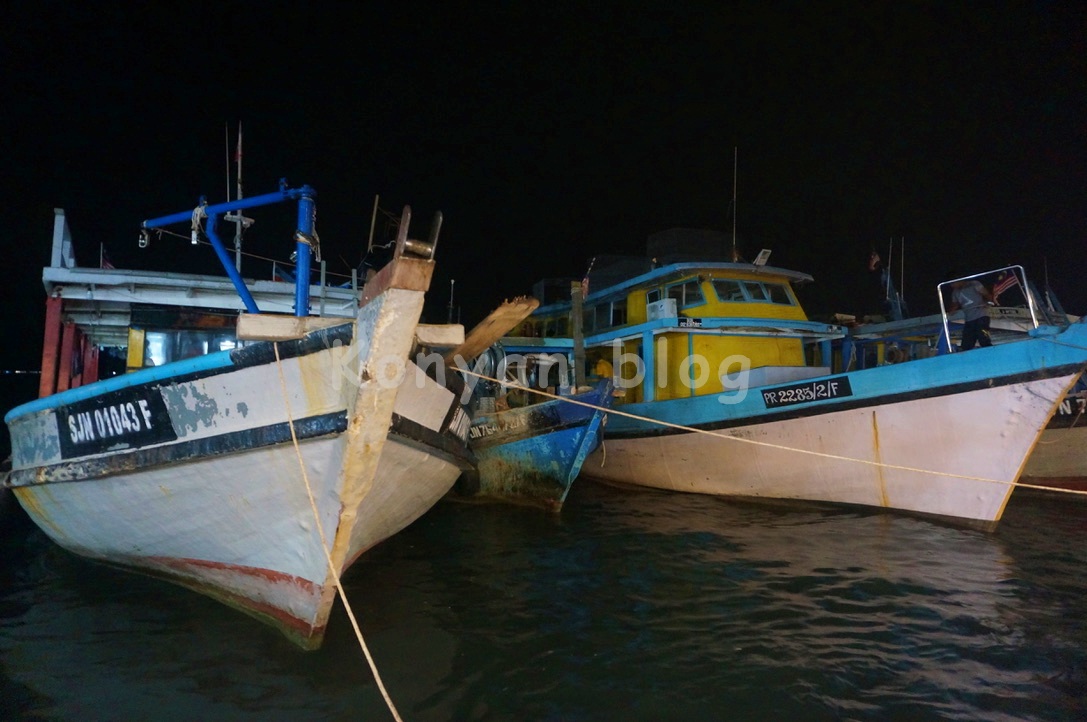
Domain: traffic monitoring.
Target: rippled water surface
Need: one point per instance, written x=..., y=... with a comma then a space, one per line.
x=629, y=605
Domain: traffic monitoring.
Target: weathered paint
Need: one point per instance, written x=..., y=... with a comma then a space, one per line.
x=533, y=454
x=191, y=409
x=877, y=456
x=224, y=508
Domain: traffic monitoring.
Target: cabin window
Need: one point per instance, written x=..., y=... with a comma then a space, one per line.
x=619, y=314
x=163, y=347
x=686, y=294
x=779, y=294
x=728, y=290
x=755, y=291
x=562, y=326
x=768, y=292
x=653, y=296
x=603, y=316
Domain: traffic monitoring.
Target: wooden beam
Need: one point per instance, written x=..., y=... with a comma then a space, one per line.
x=576, y=317
x=410, y=274
x=439, y=335
x=67, y=348
x=495, y=326
x=90, y=361
x=50, y=347
x=273, y=327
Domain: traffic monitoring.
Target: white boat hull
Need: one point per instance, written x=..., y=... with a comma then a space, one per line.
x=926, y=455
x=254, y=546
x=198, y=478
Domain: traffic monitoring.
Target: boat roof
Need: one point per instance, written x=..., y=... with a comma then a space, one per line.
x=660, y=274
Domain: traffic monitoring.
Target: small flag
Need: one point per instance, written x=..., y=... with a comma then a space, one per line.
x=585, y=278
x=1003, y=284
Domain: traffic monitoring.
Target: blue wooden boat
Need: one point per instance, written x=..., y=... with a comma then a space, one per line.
x=532, y=454
x=534, y=419
x=728, y=388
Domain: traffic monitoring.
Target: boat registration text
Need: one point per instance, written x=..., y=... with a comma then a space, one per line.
x=125, y=419
x=831, y=388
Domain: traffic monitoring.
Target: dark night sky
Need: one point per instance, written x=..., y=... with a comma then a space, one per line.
x=547, y=134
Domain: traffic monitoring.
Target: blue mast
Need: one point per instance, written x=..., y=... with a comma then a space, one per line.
x=303, y=236
x=307, y=212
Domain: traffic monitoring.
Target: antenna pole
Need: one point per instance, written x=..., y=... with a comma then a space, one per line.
x=451, y=282
x=887, y=269
x=373, y=220
x=226, y=157
x=735, y=160
x=238, y=222
x=902, y=268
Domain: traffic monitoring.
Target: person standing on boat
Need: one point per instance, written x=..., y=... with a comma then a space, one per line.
x=875, y=301
x=974, y=299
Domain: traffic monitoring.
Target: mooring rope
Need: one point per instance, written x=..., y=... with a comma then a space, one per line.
x=782, y=447
x=324, y=544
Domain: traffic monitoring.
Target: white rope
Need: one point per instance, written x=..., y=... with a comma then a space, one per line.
x=324, y=544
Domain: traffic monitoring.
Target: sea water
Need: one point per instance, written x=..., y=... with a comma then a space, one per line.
x=627, y=605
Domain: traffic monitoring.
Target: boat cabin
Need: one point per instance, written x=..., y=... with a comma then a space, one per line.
x=678, y=327
x=101, y=322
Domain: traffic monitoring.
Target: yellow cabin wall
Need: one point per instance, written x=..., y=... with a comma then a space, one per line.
x=713, y=347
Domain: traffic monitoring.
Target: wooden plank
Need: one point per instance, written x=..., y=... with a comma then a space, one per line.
x=439, y=335
x=51, y=347
x=273, y=327
x=90, y=362
x=495, y=326
x=576, y=299
x=67, y=348
x=409, y=274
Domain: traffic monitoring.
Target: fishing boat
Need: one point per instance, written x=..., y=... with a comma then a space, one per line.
x=532, y=424
x=256, y=437
x=728, y=389
x=529, y=448
x=1058, y=461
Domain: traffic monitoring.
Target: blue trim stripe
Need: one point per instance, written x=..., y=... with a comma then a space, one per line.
x=197, y=366
x=256, y=354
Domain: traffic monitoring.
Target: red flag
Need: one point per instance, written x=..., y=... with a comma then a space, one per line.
x=1004, y=284
x=585, y=278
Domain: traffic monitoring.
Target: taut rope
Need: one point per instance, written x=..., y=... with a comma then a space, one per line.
x=324, y=544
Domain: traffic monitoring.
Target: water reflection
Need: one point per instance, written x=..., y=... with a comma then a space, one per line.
x=627, y=606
